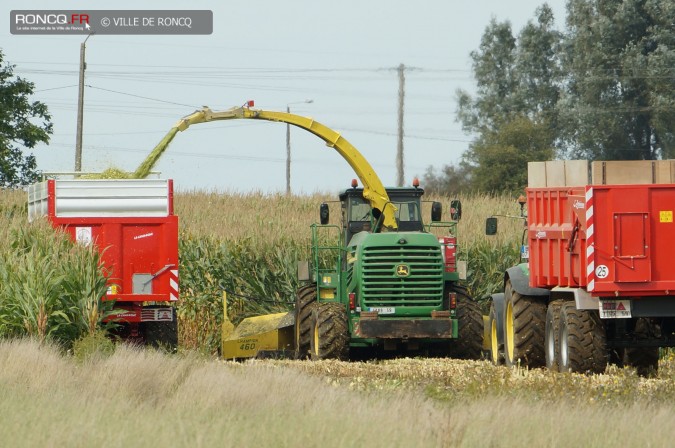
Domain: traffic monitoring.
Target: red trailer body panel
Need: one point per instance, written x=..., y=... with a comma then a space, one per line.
x=133, y=226
x=613, y=240
x=140, y=254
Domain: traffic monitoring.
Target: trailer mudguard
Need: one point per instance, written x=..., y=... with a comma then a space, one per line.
x=520, y=281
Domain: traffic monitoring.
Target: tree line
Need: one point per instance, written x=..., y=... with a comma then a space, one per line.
x=601, y=89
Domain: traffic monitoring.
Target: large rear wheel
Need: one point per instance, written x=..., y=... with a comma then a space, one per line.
x=469, y=344
x=330, y=332
x=305, y=302
x=524, y=322
x=582, y=341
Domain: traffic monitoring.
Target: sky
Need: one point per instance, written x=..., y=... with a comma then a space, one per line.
x=341, y=55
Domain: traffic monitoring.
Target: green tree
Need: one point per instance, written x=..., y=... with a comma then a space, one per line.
x=493, y=67
x=18, y=128
x=499, y=158
x=538, y=70
x=518, y=87
x=619, y=102
x=451, y=180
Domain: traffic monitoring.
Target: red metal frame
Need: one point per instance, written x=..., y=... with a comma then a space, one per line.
x=131, y=246
x=613, y=240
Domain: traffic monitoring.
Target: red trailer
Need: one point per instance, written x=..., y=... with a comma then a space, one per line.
x=599, y=285
x=132, y=223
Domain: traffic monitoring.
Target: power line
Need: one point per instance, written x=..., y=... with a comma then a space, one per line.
x=409, y=136
x=56, y=88
x=177, y=153
x=142, y=97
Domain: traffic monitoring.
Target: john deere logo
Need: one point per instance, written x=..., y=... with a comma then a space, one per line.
x=402, y=270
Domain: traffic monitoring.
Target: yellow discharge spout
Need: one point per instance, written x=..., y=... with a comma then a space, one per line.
x=149, y=163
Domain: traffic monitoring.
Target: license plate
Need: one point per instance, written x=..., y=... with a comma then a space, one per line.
x=615, y=309
x=383, y=309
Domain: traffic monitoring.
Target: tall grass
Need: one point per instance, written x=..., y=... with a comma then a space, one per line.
x=257, y=281
x=147, y=398
x=245, y=244
x=50, y=288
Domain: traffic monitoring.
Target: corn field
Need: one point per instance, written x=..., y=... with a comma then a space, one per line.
x=245, y=244
x=50, y=288
x=249, y=245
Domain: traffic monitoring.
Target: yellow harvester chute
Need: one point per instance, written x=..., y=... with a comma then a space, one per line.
x=373, y=189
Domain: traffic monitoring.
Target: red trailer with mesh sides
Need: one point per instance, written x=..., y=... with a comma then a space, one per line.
x=133, y=225
x=599, y=283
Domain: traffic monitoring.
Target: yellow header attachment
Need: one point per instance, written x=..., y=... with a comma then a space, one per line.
x=373, y=190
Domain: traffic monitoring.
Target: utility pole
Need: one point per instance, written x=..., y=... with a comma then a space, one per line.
x=80, y=108
x=400, y=178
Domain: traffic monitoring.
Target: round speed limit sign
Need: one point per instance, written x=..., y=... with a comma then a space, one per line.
x=602, y=271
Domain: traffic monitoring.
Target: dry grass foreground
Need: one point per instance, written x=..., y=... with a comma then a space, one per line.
x=145, y=398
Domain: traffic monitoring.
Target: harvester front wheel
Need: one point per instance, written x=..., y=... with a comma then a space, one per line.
x=552, y=334
x=330, y=332
x=582, y=341
x=524, y=322
x=469, y=344
x=305, y=302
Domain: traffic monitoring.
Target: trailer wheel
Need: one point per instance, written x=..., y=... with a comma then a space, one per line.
x=616, y=356
x=495, y=347
x=330, y=332
x=644, y=359
x=469, y=344
x=161, y=335
x=582, y=341
x=552, y=337
x=305, y=301
x=524, y=325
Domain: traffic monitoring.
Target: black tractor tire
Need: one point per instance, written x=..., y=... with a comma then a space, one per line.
x=551, y=339
x=305, y=302
x=330, y=332
x=524, y=329
x=644, y=359
x=161, y=335
x=582, y=341
x=496, y=349
x=469, y=342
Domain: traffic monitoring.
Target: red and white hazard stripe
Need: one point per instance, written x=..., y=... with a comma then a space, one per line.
x=590, y=241
x=173, y=285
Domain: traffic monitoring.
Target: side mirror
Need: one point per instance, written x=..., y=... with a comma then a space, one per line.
x=436, y=211
x=324, y=214
x=455, y=209
x=491, y=226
